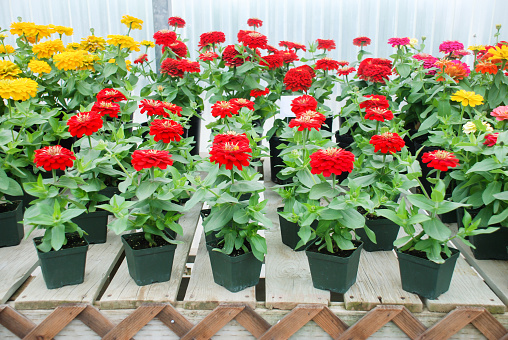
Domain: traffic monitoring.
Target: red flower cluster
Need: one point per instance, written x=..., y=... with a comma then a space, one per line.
x=298, y=79
x=254, y=40
x=110, y=95
x=345, y=71
x=291, y=45
x=375, y=70
x=374, y=101
x=324, y=44
x=491, y=139
x=166, y=130
x=303, y=103
x=84, y=123
x=164, y=37
x=440, y=160
x=224, y=109
x=259, y=93
x=242, y=102
x=288, y=56
x=141, y=59
x=208, y=56
x=273, y=61
x=178, y=48
x=327, y=64
x=379, y=114
x=231, y=150
x=211, y=38
x=307, y=120
x=331, y=161
x=399, y=41
x=146, y=159
x=387, y=142
x=361, y=41
x=231, y=57
x=176, y=68
x=54, y=158
x=106, y=108
x=176, y=22
x=254, y=22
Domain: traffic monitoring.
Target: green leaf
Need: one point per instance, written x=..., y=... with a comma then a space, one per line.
x=58, y=236
x=196, y=197
x=401, y=241
x=218, y=218
x=69, y=214
x=352, y=219
x=247, y=186
x=306, y=178
x=146, y=189
x=322, y=190
x=109, y=69
x=421, y=202
x=492, y=189
x=502, y=196
x=485, y=165
x=370, y=234
x=404, y=70
x=241, y=216
x=259, y=243
x=84, y=88
x=391, y=215
x=499, y=218
x=436, y=229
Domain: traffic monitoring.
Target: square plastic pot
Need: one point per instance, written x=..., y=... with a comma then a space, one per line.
x=11, y=232
x=289, y=232
x=95, y=224
x=491, y=246
x=386, y=233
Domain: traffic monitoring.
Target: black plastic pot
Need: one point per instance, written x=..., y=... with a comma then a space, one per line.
x=276, y=162
x=449, y=217
x=26, y=199
x=289, y=232
x=194, y=131
x=386, y=233
x=424, y=277
x=491, y=246
x=334, y=273
x=328, y=122
x=424, y=166
x=95, y=224
x=110, y=191
x=64, y=267
x=209, y=237
x=12, y=232
x=344, y=141
x=148, y=265
x=235, y=273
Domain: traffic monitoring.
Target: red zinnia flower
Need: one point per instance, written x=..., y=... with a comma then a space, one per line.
x=224, y=109
x=175, y=109
x=211, y=38
x=254, y=40
x=178, y=47
x=331, y=161
x=230, y=154
x=231, y=56
x=146, y=159
x=440, y=160
x=208, y=56
x=166, y=130
x=259, y=93
x=164, y=37
x=312, y=114
x=491, y=139
x=273, y=61
x=242, y=33
x=288, y=56
x=291, y=45
x=110, y=95
x=271, y=49
x=327, y=64
x=374, y=101
x=307, y=120
x=379, y=114
x=345, y=71
x=324, y=44
x=399, y=41
x=152, y=107
x=387, y=142
x=106, y=108
x=84, y=123
x=303, y=103
x=176, y=22
x=54, y=158
x=308, y=69
x=242, y=102
x=375, y=70
x=343, y=63
x=185, y=65
x=141, y=59
x=298, y=79
x=254, y=22
x=361, y=41
x=231, y=137
x=171, y=67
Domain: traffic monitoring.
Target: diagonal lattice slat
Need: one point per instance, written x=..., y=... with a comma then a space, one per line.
x=370, y=323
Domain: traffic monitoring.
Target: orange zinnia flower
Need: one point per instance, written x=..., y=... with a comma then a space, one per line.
x=486, y=67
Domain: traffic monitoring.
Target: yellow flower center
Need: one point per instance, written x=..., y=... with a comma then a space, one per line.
x=231, y=147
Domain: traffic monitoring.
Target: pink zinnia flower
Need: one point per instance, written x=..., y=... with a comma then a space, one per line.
x=399, y=41
x=500, y=112
x=450, y=46
x=491, y=139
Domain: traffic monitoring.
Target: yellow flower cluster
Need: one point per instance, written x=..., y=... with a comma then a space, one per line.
x=6, y=49
x=30, y=30
x=8, y=70
x=147, y=43
x=88, y=61
x=61, y=29
x=72, y=60
x=48, y=48
x=18, y=89
x=467, y=98
x=39, y=66
x=124, y=41
x=93, y=43
x=72, y=47
x=132, y=22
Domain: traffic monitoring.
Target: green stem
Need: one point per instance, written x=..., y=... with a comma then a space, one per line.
x=90, y=141
x=119, y=164
x=423, y=189
x=53, y=172
x=333, y=180
x=232, y=176
x=377, y=127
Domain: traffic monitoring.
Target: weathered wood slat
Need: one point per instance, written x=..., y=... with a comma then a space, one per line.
x=292, y=322
x=123, y=292
x=55, y=322
x=466, y=289
x=203, y=293
x=378, y=283
x=288, y=280
x=101, y=258
x=213, y=322
x=134, y=322
x=451, y=324
x=15, y=269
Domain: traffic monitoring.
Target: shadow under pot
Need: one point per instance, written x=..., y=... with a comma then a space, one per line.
x=147, y=264
x=289, y=232
x=335, y=272
x=421, y=276
x=95, y=224
x=386, y=233
x=11, y=231
x=66, y=266
x=234, y=272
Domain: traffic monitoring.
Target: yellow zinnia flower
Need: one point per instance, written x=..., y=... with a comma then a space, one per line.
x=39, y=66
x=88, y=61
x=72, y=47
x=3, y=36
x=6, y=49
x=20, y=28
x=476, y=48
x=62, y=29
x=8, y=70
x=124, y=41
x=93, y=43
x=48, y=48
x=132, y=22
x=467, y=98
x=499, y=52
x=147, y=43
x=18, y=89
x=71, y=60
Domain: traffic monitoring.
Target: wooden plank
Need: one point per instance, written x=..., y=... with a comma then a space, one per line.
x=288, y=281
x=123, y=292
x=292, y=322
x=213, y=322
x=55, y=322
x=101, y=258
x=371, y=323
x=203, y=293
x=378, y=283
x=451, y=324
x=466, y=289
x=15, y=322
x=134, y=322
x=15, y=269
